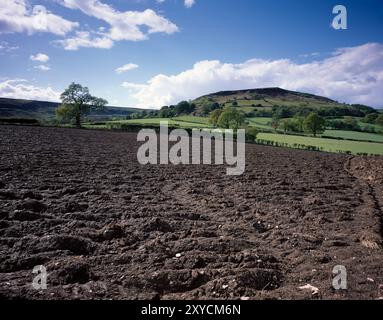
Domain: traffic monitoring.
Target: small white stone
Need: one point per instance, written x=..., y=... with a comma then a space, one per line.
x=225, y=286
x=178, y=255
x=314, y=290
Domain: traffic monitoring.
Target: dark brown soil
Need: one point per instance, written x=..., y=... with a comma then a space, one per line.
x=79, y=203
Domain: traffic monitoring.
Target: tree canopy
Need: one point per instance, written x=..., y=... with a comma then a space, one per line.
x=77, y=102
x=231, y=118
x=379, y=120
x=314, y=124
x=214, y=116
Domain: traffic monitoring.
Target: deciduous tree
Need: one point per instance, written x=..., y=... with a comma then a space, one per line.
x=77, y=102
x=314, y=124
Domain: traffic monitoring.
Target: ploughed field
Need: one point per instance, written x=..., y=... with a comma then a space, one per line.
x=78, y=203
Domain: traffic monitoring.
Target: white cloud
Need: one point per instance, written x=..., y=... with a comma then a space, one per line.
x=310, y=55
x=133, y=86
x=42, y=67
x=128, y=25
x=353, y=75
x=6, y=47
x=189, y=3
x=22, y=89
x=126, y=68
x=19, y=16
x=41, y=57
x=87, y=40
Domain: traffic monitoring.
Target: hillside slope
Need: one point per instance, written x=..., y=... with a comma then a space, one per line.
x=42, y=110
x=268, y=98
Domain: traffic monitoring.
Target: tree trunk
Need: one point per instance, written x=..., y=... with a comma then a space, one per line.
x=78, y=120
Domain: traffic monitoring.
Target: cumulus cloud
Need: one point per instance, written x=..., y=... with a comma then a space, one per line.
x=126, y=68
x=22, y=89
x=41, y=57
x=85, y=39
x=128, y=25
x=353, y=75
x=18, y=16
x=189, y=3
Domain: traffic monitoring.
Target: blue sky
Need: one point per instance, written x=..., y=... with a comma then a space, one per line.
x=176, y=49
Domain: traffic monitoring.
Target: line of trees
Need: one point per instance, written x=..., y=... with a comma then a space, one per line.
x=316, y=124
x=313, y=124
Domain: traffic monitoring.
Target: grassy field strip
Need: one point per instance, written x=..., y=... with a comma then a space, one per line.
x=263, y=123
x=354, y=135
x=329, y=145
x=186, y=122
x=193, y=119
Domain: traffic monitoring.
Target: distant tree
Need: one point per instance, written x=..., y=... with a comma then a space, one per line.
x=363, y=109
x=144, y=114
x=286, y=125
x=214, y=116
x=152, y=114
x=209, y=107
x=166, y=112
x=300, y=123
x=351, y=123
x=231, y=118
x=282, y=112
x=251, y=134
x=136, y=115
x=314, y=124
x=77, y=102
x=184, y=107
x=338, y=124
x=379, y=120
x=292, y=125
x=275, y=122
x=369, y=129
x=371, y=118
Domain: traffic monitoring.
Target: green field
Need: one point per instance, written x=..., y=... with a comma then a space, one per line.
x=183, y=121
x=329, y=145
x=262, y=123
x=354, y=135
x=363, y=145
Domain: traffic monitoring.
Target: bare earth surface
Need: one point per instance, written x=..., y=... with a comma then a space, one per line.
x=78, y=202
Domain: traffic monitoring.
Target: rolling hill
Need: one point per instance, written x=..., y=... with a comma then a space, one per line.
x=266, y=99
x=42, y=110
x=254, y=102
